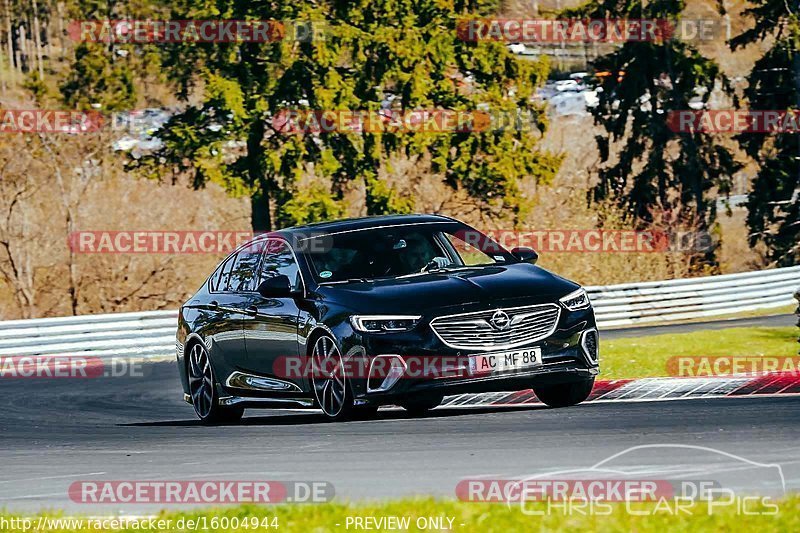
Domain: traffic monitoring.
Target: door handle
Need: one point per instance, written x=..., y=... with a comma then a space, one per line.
x=252, y=310
x=214, y=304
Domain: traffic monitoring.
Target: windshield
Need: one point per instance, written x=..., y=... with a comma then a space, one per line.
x=401, y=251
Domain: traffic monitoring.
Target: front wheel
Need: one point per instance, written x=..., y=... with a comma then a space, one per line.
x=329, y=378
x=203, y=391
x=564, y=394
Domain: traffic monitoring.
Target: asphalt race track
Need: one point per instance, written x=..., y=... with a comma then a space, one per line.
x=55, y=432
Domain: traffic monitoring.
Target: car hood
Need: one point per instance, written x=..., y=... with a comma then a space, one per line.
x=492, y=286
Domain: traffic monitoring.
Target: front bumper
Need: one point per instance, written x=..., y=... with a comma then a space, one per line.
x=546, y=374
x=567, y=356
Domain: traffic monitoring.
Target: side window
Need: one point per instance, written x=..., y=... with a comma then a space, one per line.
x=243, y=274
x=220, y=278
x=278, y=259
x=469, y=253
x=418, y=250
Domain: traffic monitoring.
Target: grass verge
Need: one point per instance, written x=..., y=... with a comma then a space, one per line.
x=639, y=357
x=467, y=517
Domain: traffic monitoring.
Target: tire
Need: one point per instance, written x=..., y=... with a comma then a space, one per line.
x=420, y=406
x=332, y=390
x=203, y=390
x=565, y=394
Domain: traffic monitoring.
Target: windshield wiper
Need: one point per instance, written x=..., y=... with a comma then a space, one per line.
x=343, y=281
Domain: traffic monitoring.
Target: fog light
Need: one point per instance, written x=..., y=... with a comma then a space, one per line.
x=590, y=343
x=397, y=367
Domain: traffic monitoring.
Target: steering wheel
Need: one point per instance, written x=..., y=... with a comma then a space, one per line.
x=436, y=263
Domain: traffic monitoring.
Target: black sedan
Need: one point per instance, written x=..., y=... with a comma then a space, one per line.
x=350, y=315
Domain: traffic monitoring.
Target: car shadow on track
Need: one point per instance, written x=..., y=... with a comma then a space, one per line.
x=293, y=418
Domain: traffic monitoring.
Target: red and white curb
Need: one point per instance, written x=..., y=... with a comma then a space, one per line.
x=649, y=389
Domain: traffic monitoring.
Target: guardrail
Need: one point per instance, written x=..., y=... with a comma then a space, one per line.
x=145, y=334
x=152, y=334
x=683, y=299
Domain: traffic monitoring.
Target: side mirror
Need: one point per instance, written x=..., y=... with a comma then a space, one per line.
x=527, y=255
x=276, y=287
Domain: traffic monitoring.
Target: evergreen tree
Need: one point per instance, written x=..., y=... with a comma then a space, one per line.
x=657, y=174
x=774, y=84
x=370, y=48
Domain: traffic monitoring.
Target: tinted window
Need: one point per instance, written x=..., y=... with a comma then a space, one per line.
x=243, y=274
x=220, y=277
x=375, y=254
x=400, y=251
x=277, y=260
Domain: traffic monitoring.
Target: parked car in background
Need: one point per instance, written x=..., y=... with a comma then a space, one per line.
x=567, y=85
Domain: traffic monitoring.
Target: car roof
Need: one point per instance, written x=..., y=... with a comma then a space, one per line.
x=351, y=224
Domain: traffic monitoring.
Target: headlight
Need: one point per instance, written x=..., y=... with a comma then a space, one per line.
x=383, y=323
x=576, y=300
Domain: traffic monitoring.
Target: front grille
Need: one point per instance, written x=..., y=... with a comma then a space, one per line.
x=476, y=331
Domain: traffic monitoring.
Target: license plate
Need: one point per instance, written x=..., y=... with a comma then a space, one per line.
x=501, y=362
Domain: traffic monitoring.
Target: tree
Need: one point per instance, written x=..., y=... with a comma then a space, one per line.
x=103, y=73
x=371, y=48
x=653, y=172
x=774, y=84
x=20, y=207
x=95, y=78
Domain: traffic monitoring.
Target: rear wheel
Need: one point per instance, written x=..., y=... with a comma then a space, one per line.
x=203, y=390
x=564, y=394
x=420, y=406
